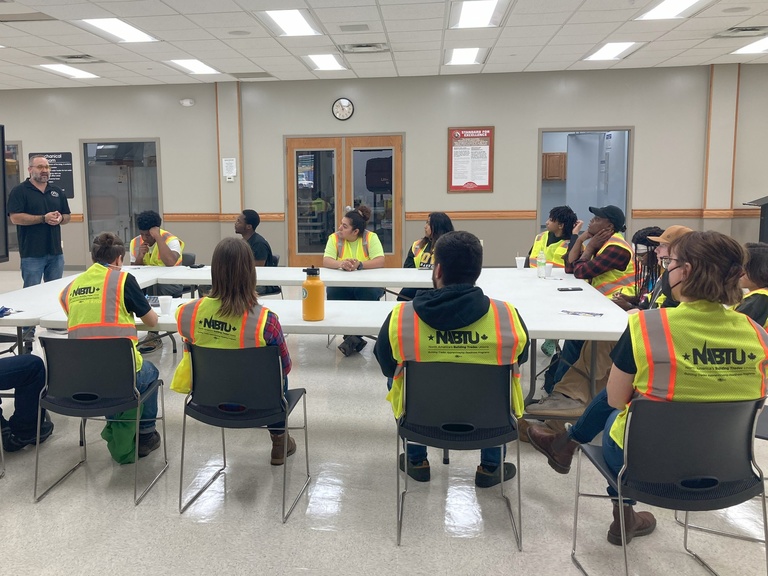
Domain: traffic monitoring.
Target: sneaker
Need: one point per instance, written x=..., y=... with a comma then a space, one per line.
x=14, y=443
x=360, y=343
x=148, y=442
x=557, y=404
x=548, y=347
x=485, y=477
x=348, y=347
x=150, y=346
x=418, y=471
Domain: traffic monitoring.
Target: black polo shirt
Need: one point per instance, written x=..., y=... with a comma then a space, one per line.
x=38, y=240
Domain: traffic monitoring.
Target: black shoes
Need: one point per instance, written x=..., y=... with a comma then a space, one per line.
x=419, y=472
x=485, y=477
x=148, y=443
x=14, y=443
x=351, y=345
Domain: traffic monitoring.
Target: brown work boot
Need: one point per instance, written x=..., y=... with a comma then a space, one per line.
x=558, y=448
x=522, y=429
x=277, y=448
x=635, y=524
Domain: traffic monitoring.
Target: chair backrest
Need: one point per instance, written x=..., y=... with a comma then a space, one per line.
x=275, y=260
x=702, y=451
x=187, y=258
x=458, y=399
x=239, y=379
x=90, y=370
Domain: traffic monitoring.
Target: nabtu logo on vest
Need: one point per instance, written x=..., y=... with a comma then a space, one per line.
x=219, y=325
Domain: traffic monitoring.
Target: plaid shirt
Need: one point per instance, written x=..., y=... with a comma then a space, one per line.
x=612, y=258
x=273, y=335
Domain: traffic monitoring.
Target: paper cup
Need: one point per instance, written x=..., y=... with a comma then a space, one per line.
x=520, y=260
x=165, y=304
x=548, y=270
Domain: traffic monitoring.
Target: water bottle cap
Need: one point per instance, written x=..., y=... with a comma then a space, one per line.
x=312, y=271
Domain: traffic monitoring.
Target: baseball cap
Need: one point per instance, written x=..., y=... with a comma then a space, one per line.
x=670, y=234
x=612, y=213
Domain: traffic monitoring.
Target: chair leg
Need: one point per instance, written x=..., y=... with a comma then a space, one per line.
x=517, y=528
x=578, y=495
x=68, y=473
x=137, y=498
x=285, y=464
x=718, y=532
x=2, y=461
x=183, y=506
x=401, y=495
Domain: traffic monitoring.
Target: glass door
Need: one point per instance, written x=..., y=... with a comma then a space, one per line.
x=120, y=182
x=328, y=177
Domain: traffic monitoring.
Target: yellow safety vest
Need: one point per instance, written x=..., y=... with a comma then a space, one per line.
x=616, y=280
x=681, y=356
x=95, y=307
x=555, y=252
x=152, y=258
x=200, y=323
x=496, y=338
x=763, y=291
x=344, y=248
x=422, y=256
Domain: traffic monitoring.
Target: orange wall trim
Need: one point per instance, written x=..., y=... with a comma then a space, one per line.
x=212, y=217
x=704, y=214
x=479, y=215
x=76, y=218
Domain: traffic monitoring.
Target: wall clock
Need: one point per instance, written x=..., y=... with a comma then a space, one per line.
x=343, y=109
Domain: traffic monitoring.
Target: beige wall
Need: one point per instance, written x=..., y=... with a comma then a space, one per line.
x=667, y=108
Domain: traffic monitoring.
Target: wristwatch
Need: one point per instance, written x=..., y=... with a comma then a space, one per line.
x=360, y=266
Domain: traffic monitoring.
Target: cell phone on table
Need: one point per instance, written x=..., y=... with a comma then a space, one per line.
x=196, y=265
x=570, y=289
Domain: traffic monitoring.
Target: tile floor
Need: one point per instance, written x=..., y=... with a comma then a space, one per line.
x=345, y=523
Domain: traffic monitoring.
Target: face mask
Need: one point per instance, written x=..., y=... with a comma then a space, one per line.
x=666, y=289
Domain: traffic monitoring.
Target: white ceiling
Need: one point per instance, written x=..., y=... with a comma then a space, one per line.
x=535, y=35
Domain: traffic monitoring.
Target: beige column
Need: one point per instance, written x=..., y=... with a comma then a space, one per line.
x=229, y=145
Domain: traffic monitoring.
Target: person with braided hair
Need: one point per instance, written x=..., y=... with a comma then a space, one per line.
x=755, y=280
x=647, y=270
x=352, y=248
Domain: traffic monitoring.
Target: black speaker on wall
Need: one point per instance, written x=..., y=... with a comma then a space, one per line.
x=763, y=204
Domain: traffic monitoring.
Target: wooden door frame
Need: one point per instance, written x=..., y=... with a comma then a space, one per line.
x=343, y=147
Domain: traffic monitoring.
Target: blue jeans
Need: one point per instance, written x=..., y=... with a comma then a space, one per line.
x=418, y=452
x=593, y=420
x=614, y=456
x=35, y=270
x=568, y=356
x=26, y=376
x=144, y=379
x=47, y=268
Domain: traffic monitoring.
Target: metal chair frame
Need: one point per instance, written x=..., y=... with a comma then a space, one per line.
x=460, y=406
x=637, y=480
x=240, y=365
x=89, y=360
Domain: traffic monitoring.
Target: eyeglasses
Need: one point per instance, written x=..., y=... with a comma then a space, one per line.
x=42, y=166
x=666, y=260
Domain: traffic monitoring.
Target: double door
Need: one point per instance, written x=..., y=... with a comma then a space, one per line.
x=327, y=177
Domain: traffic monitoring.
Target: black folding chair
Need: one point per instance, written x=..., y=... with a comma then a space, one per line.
x=682, y=456
x=240, y=388
x=458, y=407
x=93, y=379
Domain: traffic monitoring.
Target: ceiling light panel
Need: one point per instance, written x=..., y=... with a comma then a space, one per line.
x=670, y=9
x=613, y=51
x=289, y=22
x=68, y=71
x=119, y=29
x=477, y=13
x=194, y=67
x=755, y=48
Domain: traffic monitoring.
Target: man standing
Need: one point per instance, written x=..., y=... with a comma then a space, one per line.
x=245, y=225
x=39, y=209
x=455, y=304
x=156, y=247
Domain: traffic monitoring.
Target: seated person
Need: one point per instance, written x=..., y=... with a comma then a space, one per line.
x=421, y=255
x=704, y=277
x=554, y=243
x=233, y=302
x=755, y=280
x=25, y=375
x=246, y=225
x=92, y=314
x=156, y=247
x=455, y=304
x=351, y=248
x=604, y=258
x=647, y=271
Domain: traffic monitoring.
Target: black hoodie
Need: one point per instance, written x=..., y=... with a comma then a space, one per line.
x=447, y=308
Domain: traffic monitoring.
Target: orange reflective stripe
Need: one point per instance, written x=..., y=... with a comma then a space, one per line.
x=763, y=338
x=408, y=333
x=186, y=320
x=657, y=340
x=621, y=282
x=499, y=338
x=366, y=236
x=64, y=297
x=252, y=322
